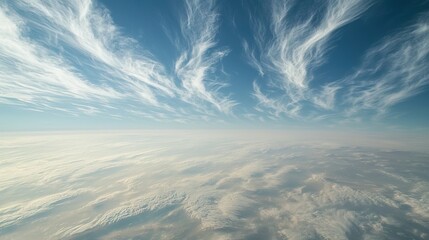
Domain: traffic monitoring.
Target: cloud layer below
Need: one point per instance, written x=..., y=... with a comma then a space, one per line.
x=236, y=185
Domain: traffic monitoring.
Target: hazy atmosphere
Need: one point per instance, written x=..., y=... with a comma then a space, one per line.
x=214, y=119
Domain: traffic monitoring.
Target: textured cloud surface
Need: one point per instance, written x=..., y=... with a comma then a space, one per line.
x=210, y=185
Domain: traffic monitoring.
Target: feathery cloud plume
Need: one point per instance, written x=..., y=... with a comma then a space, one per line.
x=32, y=75
x=72, y=57
x=297, y=48
x=89, y=30
x=199, y=27
x=392, y=71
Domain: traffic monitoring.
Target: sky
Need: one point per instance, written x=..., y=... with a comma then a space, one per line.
x=84, y=64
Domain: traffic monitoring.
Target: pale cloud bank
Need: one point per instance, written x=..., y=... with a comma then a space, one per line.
x=156, y=185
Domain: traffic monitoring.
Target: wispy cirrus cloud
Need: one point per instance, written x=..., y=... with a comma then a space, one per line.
x=392, y=71
x=325, y=98
x=196, y=63
x=72, y=57
x=275, y=106
x=32, y=75
x=297, y=48
x=89, y=30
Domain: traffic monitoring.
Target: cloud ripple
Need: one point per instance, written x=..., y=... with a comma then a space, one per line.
x=236, y=186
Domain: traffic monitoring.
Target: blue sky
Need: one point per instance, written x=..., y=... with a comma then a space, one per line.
x=213, y=64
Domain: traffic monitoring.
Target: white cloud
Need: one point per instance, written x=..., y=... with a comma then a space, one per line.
x=32, y=75
x=199, y=28
x=133, y=208
x=392, y=71
x=297, y=48
x=15, y=215
x=90, y=30
x=71, y=57
x=237, y=185
x=326, y=98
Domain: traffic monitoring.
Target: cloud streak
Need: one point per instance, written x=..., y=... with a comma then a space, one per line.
x=61, y=55
x=32, y=75
x=89, y=30
x=199, y=28
x=297, y=48
x=72, y=57
x=392, y=71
